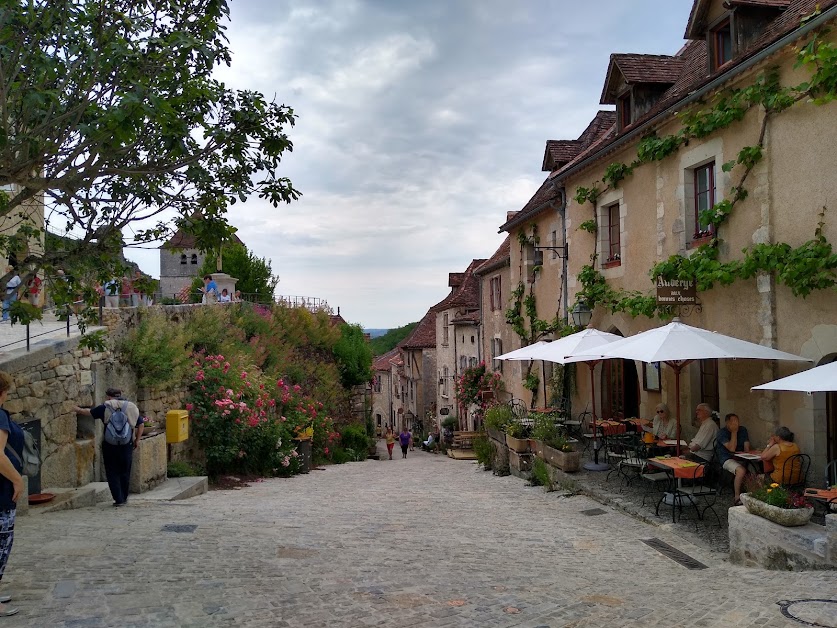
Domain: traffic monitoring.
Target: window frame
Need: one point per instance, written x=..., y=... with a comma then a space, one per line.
x=711, y=191
x=497, y=349
x=496, y=292
x=716, y=42
x=625, y=109
x=445, y=330
x=613, y=258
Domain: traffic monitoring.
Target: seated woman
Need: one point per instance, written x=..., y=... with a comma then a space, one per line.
x=779, y=448
x=663, y=426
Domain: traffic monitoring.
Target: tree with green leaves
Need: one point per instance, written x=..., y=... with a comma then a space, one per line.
x=354, y=356
x=111, y=120
x=255, y=277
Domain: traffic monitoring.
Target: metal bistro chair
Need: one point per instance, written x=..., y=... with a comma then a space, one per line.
x=578, y=426
x=635, y=461
x=618, y=448
x=796, y=467
x=831, y=474
x=519, y=409
x=704, y=486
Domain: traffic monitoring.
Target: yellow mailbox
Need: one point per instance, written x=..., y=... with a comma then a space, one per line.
x=177, y=426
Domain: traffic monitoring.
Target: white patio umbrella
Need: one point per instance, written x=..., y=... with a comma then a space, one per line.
x=581, y=342
x=818, y=379
x=678, y=345
x=524, y=353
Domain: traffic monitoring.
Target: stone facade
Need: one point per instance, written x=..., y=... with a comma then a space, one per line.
x=178, y=268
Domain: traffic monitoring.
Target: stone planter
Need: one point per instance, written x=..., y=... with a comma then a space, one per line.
x=536, y=447
x=497, y=435
x=783, y=516
x=567, y=461
x=520, y=445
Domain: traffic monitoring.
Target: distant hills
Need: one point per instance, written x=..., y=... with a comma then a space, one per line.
x=375, y=333
x=380, y=344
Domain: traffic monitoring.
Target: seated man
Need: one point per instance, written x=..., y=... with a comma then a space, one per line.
x=703, y=443
x=731, y=438
x=428, y=444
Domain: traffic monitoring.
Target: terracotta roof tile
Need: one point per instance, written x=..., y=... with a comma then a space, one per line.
x=559, y=152
x=424, y=335
x=385, y=362
x=501, y=257
x=696, y=26
x=640, y=69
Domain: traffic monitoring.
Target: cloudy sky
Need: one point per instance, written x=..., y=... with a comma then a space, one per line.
x=420, y=125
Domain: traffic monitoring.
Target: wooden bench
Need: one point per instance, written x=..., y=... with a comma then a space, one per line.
x=464, y=440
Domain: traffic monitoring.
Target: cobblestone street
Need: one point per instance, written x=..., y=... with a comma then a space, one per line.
x=425, y=541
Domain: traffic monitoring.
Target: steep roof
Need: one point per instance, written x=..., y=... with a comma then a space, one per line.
x=385, y=362
x=183, y=240
x=467, y=295
x=696, y=26
x=424, y=335
x=639, y=69
x=559, y=152
x=501, y=258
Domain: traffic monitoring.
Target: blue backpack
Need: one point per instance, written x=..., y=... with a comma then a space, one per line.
x=118, y=430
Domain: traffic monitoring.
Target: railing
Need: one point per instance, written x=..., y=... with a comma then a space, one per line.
x=67, y=311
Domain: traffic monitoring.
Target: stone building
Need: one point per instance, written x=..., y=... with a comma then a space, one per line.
x=496, y=334
x=417, y=375
x=180, y=262
x=648, y=206
x=458, y=344
x=385, y=389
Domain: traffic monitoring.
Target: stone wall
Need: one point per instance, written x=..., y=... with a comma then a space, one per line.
x=49, y=381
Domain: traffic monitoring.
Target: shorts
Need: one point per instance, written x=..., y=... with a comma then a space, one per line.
x=732, y=466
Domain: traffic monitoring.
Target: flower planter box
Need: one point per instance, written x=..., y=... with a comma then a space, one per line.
x=783, y=516
x=567, y=461
x=497, y=435
x=520, y=445
x=536, y=447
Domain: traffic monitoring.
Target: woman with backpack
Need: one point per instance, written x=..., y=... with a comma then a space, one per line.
x=11, y=484
x=123, y=429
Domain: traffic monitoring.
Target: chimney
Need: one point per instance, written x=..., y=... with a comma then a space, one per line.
x=510, y=215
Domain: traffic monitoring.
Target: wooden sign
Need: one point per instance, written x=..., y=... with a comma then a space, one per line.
x=676, y=292
x=444, y=411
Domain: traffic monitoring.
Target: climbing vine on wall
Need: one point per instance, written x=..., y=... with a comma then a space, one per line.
x=522, y=314
x=811, y=266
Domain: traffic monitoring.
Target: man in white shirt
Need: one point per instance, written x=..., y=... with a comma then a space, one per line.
x=11, y=291
x=703, y=444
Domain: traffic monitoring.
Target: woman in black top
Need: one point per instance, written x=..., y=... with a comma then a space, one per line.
x=11, y=484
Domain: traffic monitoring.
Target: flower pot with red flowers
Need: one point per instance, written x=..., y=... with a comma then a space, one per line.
x=777, y=504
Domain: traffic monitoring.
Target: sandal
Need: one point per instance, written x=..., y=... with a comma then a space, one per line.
x=737, y=502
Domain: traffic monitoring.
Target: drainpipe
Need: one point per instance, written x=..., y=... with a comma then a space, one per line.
x=561, y=208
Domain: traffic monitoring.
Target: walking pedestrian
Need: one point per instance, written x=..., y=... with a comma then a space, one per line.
x=123, y=429
x=404, y=438
x=390, y=441
x=11, y=484
x=12, y=286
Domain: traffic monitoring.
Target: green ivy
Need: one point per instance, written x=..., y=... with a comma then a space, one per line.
x=589, y=226
x=811, y=266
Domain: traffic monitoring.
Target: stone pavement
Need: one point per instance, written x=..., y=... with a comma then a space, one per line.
x=426, y=541
x=50, y=329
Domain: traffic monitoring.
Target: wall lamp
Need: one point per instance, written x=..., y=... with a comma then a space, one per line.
x=562, y=252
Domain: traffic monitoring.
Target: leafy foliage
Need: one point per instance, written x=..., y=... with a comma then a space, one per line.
x=255, y=277
x=112, y=112
x=389, y=340
x=354, y=357
x=157, y=351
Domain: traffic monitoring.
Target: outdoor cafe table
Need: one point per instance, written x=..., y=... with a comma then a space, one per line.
x=828, y=497
x=752, y=460
x=677, y=469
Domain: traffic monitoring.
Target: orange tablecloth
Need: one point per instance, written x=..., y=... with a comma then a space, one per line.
x=823, y=494
x=610, y=427
x=685, y=469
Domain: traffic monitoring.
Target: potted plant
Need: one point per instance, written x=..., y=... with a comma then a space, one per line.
x=517, y=436
x=559, y=452
x=777, y=504
x=496, y=419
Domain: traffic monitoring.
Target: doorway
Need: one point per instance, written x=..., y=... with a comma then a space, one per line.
x=620, y=389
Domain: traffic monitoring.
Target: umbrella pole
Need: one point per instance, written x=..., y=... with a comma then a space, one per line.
x=595, y=465
x=677, y=401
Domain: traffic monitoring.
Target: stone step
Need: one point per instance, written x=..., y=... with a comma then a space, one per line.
x=97, y=492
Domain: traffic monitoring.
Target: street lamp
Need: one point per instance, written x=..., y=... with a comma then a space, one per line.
x=582, y=315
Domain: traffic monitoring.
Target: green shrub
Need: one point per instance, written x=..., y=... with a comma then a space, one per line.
x=541, y=475
x=180, y=469
x=208, y=329
x=157, y=350
x=354, y=437
x=483, y=450
x=340, y=456
x=497, y=417
x=450, y=423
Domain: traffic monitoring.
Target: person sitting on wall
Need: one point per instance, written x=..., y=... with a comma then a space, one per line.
x=428, y=444
x=731, y=438
x=224, y=297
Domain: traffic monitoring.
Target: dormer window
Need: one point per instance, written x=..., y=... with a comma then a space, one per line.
x=624, y=110
x=721, y=41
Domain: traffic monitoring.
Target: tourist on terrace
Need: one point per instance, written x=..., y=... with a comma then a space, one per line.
x=779, y=448
x=405, y=439
x=663, y=426
x=224, y=297
x=731, y=438
x=702, y=445
x=210, y=290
